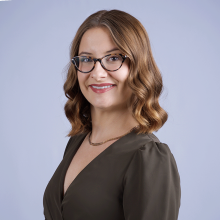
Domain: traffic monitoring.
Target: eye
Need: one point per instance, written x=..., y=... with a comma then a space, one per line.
x=85, y=59
x=113, y=58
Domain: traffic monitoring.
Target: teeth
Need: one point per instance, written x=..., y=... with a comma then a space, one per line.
x=103, y=87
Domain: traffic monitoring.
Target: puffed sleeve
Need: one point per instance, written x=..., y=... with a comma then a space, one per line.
x=152, y=184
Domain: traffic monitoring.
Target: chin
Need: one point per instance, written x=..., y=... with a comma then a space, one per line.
x=101, y=105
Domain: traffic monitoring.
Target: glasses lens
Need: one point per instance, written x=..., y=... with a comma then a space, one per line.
x=112, y=62
x=84, y=63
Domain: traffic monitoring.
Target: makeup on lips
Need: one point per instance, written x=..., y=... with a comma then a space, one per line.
x=101, y=88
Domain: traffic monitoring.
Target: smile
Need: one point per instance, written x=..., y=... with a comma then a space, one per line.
x=102, y=89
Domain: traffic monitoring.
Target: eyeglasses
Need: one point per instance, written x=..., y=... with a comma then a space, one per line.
x=110, y=62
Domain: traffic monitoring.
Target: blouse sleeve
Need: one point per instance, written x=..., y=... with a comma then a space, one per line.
x=152, y=184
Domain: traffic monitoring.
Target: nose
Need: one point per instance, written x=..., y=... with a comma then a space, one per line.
x=98, y=71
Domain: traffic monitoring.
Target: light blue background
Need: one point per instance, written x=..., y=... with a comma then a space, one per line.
x=34, y=50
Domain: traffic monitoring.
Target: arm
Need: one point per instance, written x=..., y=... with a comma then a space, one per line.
x=152, y=184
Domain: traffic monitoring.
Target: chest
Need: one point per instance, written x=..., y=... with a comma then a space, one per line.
x=84, y=155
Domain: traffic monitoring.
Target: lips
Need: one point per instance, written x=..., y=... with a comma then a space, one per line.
x=102, y=90
x=102, y=84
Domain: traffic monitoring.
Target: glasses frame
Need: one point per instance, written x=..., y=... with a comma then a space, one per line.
x=100, y=61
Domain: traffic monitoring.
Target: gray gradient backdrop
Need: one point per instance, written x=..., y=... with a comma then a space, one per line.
x=34, y=50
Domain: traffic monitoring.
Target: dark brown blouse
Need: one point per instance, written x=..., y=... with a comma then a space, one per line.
x=135, y=178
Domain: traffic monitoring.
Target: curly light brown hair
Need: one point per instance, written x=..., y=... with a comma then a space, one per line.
x=144, y=76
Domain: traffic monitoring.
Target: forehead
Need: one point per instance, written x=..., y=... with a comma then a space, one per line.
x=96, y=41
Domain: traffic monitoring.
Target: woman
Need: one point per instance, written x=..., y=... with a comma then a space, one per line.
x=113, y=166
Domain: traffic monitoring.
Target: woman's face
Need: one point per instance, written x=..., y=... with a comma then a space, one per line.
x=96, y=42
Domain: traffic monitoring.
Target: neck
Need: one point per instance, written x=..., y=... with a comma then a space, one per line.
x=106, y=125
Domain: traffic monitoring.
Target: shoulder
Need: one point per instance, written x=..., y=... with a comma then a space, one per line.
x=73, y=140
x=151, y=157
x=150, y=143
x=153, y=137
x=152, y=177
x=152, y=152
x=147, y=143
x=155, y=146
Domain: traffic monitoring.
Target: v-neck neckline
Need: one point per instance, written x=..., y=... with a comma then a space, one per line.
x=81, y=139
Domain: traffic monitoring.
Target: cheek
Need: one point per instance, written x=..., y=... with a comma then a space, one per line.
x=124, y=72
x=122, y=77
x=125, y=89
x=81, y=78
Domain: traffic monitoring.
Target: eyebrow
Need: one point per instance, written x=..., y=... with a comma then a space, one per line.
x=105, y=52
